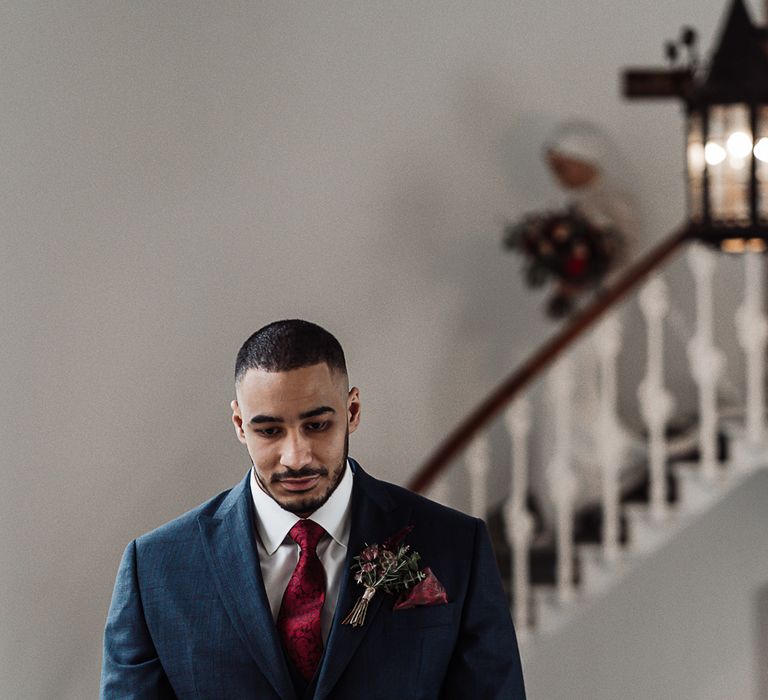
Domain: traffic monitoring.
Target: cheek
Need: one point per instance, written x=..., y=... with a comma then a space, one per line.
x=333, y=447
x=261, y=454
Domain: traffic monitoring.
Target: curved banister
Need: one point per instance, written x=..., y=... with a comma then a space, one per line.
x=505, y=392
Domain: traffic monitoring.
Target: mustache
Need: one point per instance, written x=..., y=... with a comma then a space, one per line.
x=303, y=473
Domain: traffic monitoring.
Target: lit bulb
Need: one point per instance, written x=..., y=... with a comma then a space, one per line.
x=761, y=150
x=714, y=153
x=695, y=158
x=739, y=144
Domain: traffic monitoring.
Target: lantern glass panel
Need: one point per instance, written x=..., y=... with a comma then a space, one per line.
x=761, y=164
x=695, y=159
x=728, y=155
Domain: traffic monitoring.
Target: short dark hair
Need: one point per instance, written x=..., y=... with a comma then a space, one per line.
x=284, y=345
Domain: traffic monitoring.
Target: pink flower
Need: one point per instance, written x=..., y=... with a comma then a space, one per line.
x=368, y=567
x=370, y=553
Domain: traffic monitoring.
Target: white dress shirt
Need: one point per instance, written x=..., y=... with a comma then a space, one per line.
x=279, y=554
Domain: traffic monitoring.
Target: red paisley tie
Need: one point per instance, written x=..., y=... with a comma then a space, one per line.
x=299, y=619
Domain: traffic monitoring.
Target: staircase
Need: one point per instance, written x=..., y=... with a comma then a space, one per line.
x=639, y=532
x=556, y=576
x=641, y=535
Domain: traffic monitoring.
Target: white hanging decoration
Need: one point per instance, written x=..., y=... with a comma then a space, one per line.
x=656, y=403
x=562, y=482
x=517, y=520
x=707, y=362
x=479, y=464
x=753, y=332
x=607, y=343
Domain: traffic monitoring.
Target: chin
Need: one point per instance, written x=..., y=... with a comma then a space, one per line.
x=304, y=506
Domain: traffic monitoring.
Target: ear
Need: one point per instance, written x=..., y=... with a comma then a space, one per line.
x=237, y=419
x=353, y=409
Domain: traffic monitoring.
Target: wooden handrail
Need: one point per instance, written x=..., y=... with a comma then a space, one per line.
x=505, y=392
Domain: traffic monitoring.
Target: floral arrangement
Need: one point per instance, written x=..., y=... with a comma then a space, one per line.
x=391, y=567
x=566, y=247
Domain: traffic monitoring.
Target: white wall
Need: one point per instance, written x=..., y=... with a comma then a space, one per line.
x=176, y=174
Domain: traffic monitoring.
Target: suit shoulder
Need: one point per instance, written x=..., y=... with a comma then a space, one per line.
x=428, y=508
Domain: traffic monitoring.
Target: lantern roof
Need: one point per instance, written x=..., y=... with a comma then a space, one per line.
x=738, y=71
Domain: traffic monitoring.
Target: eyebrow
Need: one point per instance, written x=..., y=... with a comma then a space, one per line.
x=320, y=410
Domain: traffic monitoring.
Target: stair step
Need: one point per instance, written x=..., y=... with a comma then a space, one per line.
x=598, y=573
x=647, y=533
x=744, y=454
x=696, y=492
x=549, y=612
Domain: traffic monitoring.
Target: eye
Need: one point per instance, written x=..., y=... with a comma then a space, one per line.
x=267, y=432
x=316, y=426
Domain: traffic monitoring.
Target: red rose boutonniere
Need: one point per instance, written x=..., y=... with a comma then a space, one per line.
x=393, y=568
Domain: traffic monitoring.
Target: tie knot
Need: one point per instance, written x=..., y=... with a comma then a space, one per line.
x=306, y=534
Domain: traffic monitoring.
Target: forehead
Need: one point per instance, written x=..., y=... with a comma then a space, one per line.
x=302, y=388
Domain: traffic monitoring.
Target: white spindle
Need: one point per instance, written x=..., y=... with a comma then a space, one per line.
x=607, y=342
x=562, y=482
x=518, y=522
x=656, y=403
x=479, y=464
x=705, y=359
x=518, y=419
x=753, y=331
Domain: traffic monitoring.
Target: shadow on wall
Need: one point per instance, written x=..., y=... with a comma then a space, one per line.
x=466, y=299
x=761, y=647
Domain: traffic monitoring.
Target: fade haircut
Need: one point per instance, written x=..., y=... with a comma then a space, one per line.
x=284, y=345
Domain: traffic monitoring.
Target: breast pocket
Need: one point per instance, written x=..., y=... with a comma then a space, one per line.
x=420, y=644
x=422, y=616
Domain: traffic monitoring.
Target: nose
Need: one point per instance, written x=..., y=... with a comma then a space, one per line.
x=296, y=451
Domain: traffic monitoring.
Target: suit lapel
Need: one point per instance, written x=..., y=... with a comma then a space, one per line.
x=374, y=517
x=230, y=547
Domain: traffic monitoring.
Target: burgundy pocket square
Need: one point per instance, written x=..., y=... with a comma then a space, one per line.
x=428, y=592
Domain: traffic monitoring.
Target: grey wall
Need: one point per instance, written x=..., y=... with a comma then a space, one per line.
x=176, y=174
x=687, y=625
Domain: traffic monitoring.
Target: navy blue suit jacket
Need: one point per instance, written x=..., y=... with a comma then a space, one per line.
x=190, y=618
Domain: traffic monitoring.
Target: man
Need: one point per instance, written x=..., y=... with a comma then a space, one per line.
x=245, y=596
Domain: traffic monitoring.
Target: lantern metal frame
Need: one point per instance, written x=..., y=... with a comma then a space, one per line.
x=727, y=133
x=726, y=109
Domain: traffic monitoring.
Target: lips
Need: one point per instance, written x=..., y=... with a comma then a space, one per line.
x=303, y=484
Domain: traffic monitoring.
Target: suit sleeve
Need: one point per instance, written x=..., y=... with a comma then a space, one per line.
x=486, y=660
x=131, y=667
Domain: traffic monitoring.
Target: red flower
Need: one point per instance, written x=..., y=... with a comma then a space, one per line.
x=575, y=267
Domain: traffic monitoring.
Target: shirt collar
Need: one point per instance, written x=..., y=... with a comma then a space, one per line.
x=273, y=523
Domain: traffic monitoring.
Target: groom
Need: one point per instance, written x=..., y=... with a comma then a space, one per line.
x=246, y=595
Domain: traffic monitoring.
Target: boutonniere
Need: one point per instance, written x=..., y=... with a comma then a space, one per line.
x=393, y=568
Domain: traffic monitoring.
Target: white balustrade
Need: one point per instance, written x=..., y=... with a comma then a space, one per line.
x=607, y=343
x=517, y=520
x=707, y=362
x=656, y=403
x=753, y=332
x=562, y=482
x=478, y=465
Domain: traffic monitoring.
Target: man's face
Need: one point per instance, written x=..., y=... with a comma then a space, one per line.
x=295, y=425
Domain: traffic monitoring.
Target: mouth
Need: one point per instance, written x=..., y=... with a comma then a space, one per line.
x=300, y=484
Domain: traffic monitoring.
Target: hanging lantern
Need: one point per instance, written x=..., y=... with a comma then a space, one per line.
x=727, y=132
